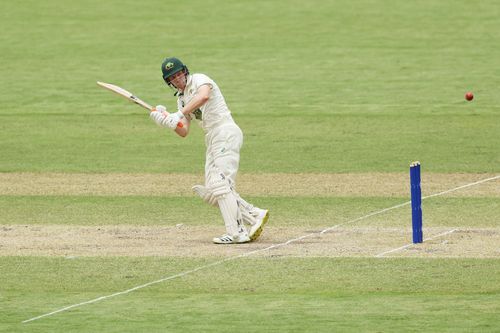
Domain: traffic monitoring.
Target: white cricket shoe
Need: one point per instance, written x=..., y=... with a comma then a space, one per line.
x=257, y=228
x=228, y=239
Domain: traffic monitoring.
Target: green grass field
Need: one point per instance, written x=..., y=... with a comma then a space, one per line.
x=318, y=87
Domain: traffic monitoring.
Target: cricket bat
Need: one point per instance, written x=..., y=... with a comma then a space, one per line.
x=128, y=95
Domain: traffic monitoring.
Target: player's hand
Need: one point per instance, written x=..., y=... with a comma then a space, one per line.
x=161, y=109
x=173, y=119
x=159, y=115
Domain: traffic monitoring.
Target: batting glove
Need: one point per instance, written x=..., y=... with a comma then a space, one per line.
x=173, y=119
x=159, y=115
x=161, y=109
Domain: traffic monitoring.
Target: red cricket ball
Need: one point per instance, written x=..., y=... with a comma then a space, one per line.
x=469, y=96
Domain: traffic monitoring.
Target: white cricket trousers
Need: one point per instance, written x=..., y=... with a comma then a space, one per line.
x=223, y=152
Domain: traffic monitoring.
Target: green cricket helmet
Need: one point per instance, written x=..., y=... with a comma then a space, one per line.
x=171, y=66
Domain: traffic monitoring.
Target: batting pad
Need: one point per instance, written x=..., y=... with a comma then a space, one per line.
x=231, y=214
x=205, y=194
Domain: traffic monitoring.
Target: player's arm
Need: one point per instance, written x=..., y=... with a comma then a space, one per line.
x=160, y=115
x=200, y=98
x=184, y=130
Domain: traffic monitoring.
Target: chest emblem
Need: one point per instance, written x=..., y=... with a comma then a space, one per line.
x=198, y=114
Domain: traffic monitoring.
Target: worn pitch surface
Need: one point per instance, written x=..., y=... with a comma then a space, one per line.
x=195, y=240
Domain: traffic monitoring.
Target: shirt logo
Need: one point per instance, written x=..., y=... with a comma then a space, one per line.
x=198, y=114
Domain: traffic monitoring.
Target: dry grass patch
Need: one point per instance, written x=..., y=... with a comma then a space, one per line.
x=270, y=184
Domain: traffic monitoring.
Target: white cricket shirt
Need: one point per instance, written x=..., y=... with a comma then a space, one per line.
x=214, y=112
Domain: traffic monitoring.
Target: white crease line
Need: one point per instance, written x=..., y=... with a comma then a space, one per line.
x=461, y=187
x=408, y=245
x=250, y=253
x=365, y=217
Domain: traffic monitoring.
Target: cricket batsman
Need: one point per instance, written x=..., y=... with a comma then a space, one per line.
x=200, y=99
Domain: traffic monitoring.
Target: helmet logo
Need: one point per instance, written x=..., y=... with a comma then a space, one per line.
x=169, y=65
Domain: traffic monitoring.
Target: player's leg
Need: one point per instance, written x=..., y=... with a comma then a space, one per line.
x=226, y=156
x=222, y=164
x=253, y=216
x=229, y=208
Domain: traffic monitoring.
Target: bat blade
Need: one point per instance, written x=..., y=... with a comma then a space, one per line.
x=126, y=94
